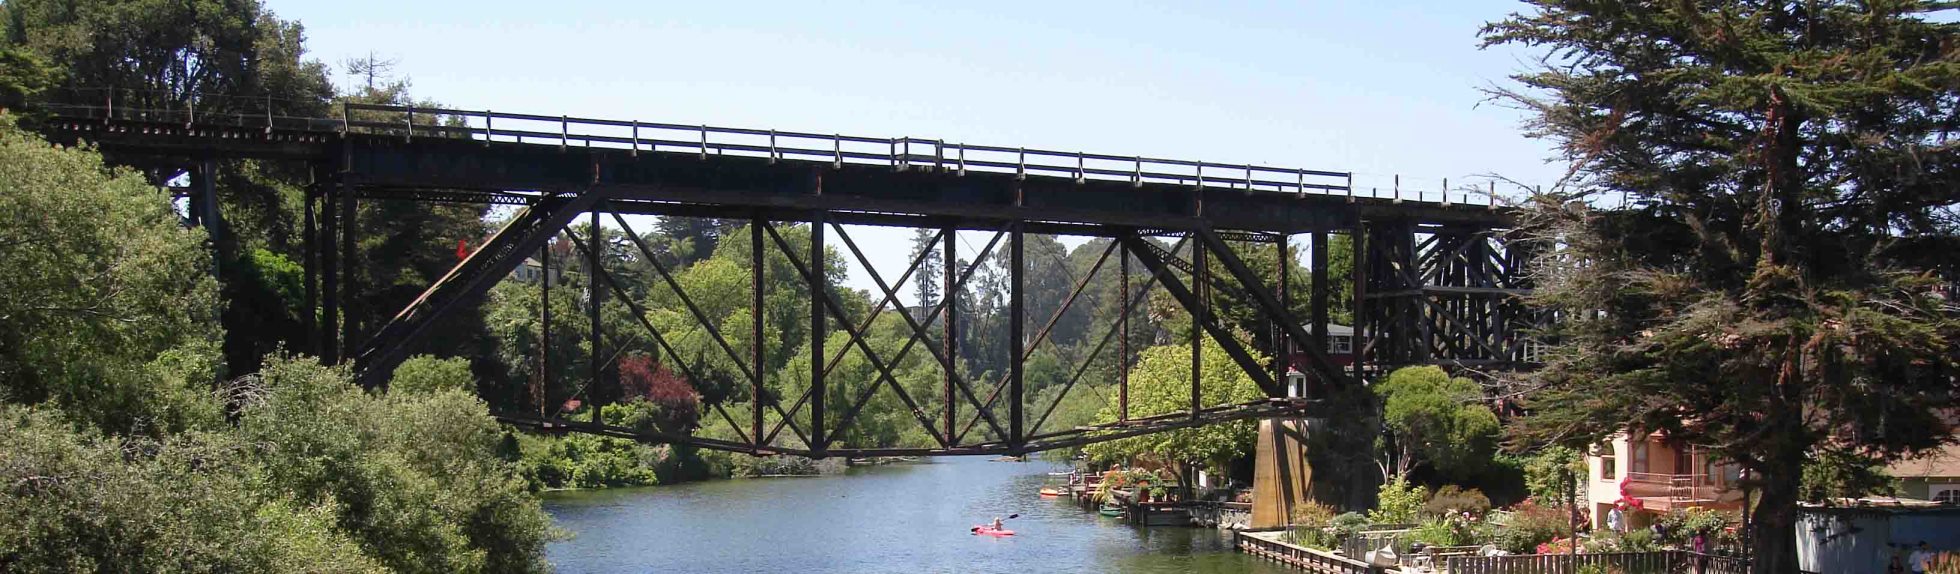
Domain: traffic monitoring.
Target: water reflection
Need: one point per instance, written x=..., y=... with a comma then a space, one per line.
x=903, y=518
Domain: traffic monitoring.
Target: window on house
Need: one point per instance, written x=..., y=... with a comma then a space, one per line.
x=1340, y=345
x=1607, y=470
x=1639, y=454
x=1945, y=493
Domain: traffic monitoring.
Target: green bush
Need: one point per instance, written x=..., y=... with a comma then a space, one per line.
x=1398, y=502
x=1552, y=474
x=1682, y=525
x=1347, y=524
x=317, y=475
x=1530, y=524
x=1630, y=541
x=1310, y=526
x=1451, y=532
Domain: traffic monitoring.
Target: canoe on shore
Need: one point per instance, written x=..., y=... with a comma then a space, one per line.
x=1050, y=491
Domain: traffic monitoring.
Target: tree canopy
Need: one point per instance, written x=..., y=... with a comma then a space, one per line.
x=1436, y=420
x=125, y=452
x=1161, y=384
x=1748, y=252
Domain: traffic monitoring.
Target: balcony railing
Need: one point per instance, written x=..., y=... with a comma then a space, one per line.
x=1678, y=488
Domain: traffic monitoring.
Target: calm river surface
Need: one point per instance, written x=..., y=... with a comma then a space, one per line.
x=899, y=518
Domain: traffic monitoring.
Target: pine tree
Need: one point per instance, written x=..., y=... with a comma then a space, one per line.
x=1768, y=281
x=925, y=282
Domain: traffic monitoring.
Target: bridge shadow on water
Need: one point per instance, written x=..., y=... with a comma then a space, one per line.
x=899, y=518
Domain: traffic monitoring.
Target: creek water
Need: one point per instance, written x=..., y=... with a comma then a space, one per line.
x=894, y=518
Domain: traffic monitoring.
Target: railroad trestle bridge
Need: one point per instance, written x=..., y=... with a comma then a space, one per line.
x=1435, y=281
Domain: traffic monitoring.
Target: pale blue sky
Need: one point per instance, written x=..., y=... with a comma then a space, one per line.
x=1377, y=88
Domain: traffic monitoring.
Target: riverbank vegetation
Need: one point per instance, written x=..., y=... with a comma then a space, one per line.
x=122, y=450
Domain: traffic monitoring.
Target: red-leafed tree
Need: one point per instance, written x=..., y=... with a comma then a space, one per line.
x=677, y=407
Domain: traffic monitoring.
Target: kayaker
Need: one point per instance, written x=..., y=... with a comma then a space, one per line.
x=997, y=523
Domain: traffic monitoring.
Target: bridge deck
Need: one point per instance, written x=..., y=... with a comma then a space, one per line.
x=727, y=172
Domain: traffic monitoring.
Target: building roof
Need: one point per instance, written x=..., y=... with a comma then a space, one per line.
x=1941, y=463
x=1333, y=330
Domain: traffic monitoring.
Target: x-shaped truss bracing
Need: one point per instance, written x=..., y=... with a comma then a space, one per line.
x=1182, y=271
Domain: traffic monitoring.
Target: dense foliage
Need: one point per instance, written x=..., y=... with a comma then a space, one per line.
x=121, y=452
x=109, y=304
x=1161, y=384
x=1772, y=191
x=1436, y=420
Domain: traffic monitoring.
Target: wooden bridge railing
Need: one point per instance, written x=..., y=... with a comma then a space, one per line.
x=899, y=153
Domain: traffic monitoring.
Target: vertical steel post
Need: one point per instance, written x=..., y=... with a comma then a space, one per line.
x=594, y=388
x=542, y=391
x=1317, y=303
x=1358, y=344
x=350, y=323
x=207, y=193
x=328, y=336
x=309, y=256
x=950, y=333
x=1016, y=327
x=1123, y=334
x=1200, y=286
x=818, y=358
x=1282, y=349
x=757, y=270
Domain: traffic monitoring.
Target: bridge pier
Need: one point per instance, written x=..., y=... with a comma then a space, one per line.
x=1282, y=477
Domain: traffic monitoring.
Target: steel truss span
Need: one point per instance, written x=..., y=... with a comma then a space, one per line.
x=1436, y=281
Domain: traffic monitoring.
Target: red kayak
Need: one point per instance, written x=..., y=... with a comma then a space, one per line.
x=990, y=531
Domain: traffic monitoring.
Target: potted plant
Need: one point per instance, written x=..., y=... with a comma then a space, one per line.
x=1158, y=493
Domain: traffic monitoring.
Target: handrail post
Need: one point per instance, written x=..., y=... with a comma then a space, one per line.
x=1201, y=175
x=772, y=147
x=962, y=148
x=1080, y=175
x=939, y=155
x=1021, y=168
x=1301, y=185
x=1248, y=177
x=1446, y=192
x=636, y=139
x=346, y=113
x=1398, y=188
x=409, y=123
x=704, y=142
x=1350, y=186
x=836, y=151
x=486, y=127
x=564, y=131
x=1490, y=199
